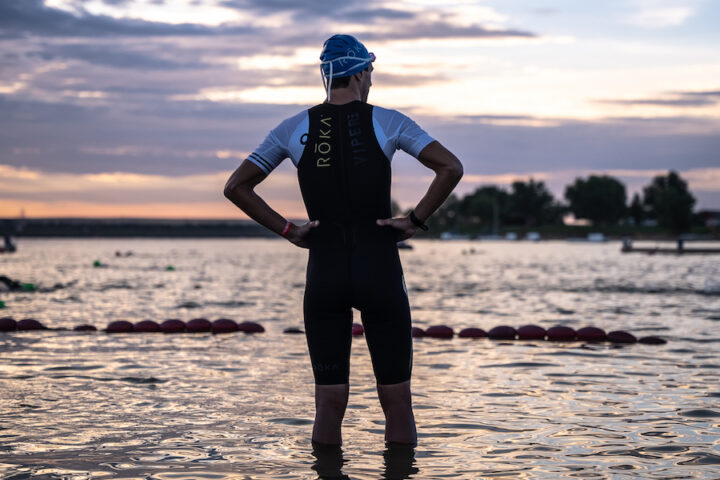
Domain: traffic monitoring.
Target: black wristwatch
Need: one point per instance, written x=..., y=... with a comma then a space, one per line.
x=416, y=221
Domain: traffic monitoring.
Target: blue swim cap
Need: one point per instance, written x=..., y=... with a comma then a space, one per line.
x=344, y=55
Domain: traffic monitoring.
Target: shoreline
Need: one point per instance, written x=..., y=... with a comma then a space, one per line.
x=244, y=228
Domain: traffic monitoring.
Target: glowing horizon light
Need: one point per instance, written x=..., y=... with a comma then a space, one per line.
x=188, y=197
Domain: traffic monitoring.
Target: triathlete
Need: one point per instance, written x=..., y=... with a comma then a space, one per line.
x=342, y=149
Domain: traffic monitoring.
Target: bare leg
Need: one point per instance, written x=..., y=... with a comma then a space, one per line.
x=330, y=404
x=396, y=402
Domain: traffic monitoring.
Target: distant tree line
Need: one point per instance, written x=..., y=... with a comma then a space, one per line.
x=600, y=199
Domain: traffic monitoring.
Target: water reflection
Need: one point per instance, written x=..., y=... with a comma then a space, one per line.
x=328, y=461
x=398, y=460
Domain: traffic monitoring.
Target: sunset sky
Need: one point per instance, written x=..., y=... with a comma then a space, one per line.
x=142, y=108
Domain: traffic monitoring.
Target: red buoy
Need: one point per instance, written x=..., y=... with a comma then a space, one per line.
x=30, y=324
x=417, y=332
x=621, y=336
x=198, y=325
x=224, y=325
x=172, y=325
x=250, y=327
x=7, y=324
x=502, y=332
x=531, y=332
x=560, y=333
x=85, y=328
x=652, y=340
x=357, y=329
x=472, y=332
x=591, y=334
x=119, y=326
x=146, y=326
x=439, y=331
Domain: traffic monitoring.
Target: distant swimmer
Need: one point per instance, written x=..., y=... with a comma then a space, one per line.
x=8, y=284
x=342, y=149
x=8, y=245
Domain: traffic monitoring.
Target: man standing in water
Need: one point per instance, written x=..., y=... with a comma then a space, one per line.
x=342, y=149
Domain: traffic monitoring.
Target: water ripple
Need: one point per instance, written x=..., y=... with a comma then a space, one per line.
x=237, y=407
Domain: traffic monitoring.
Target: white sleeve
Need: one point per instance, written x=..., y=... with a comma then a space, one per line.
x=411, y=138
x=394, y=130
x=270, y=153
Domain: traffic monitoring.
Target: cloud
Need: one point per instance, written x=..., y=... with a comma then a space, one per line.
x=545, y=11
x=661, y=17
x=609, y=144
x=664, y=102
x=706, y=93
x=441, y=30
x=20, y=18
x=115, y=55
x=674, y=99
x=656, y=14
x=305, y=7
x=375, y=21
x=376, y=14
x=386, y=79
x=88, y=94
x=157, y=136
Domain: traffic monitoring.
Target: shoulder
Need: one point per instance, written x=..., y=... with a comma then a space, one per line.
x=291, y=123
x=391, y=118
x=386, y=112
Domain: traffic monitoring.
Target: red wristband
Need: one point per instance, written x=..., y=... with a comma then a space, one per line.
x=286, y=229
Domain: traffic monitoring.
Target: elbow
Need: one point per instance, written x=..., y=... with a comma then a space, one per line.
x=455, y=171
x=229, y=191
x=458, y=171
x=233, y=192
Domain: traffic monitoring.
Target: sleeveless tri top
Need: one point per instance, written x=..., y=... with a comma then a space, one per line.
x=343, y=173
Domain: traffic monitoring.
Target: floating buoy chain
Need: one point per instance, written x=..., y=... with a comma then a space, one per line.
x=173, y=325
x=535, y=332
x=225, y=325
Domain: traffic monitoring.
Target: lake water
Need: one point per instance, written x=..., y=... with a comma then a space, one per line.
x=93, y=405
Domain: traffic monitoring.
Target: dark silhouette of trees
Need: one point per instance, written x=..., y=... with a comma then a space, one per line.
x=531, y=203
x=485, y=207
x=669, y=201
x=636, y=211
x=600, y=199
x=395, y=209
x=446, y=218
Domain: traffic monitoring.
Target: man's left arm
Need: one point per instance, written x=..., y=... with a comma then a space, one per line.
x=448, y=172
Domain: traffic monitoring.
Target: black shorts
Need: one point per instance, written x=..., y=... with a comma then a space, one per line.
x=353, y=266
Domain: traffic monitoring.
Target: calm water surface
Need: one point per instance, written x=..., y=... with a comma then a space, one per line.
x=240, y=406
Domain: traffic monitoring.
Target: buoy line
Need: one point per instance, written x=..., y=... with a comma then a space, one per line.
x=558, y=333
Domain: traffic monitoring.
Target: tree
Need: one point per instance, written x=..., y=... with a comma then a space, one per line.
x=637, y=210
x=484, y=207
x=669, y=201
x=446, y=218
x=600, y=199
x=531, y=203
x=395, y=209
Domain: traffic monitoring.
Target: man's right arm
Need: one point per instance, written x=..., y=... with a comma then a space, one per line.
x=240, y=189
